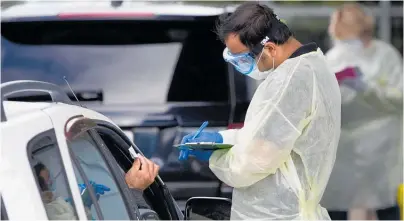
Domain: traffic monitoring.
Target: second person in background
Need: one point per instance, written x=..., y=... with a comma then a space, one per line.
x=283, y=156
x=368, y=168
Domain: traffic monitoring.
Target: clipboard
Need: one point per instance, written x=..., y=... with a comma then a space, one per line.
x=205, y=146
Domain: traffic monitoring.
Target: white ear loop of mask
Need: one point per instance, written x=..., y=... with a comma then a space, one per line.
x=259, y=58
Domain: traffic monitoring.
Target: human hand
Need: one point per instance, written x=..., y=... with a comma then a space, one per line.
x=202, y=155
x=99, y=190
x=142, y=174
x=203, y=137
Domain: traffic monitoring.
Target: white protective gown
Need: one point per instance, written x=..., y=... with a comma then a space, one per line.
x=283, y=156
x=368, y=167
x=59, y=209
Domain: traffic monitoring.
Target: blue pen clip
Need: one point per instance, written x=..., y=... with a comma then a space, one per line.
x=203, y=126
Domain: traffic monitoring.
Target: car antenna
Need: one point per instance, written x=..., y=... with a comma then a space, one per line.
x=64, y=78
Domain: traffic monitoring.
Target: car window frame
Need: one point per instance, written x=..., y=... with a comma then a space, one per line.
x=111, y=127
x=30, y=152
x=130, y=205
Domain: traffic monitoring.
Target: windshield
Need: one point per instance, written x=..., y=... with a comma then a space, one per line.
x=142, y=62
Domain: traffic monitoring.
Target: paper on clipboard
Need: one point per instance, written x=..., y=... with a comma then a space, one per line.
x=205, y=146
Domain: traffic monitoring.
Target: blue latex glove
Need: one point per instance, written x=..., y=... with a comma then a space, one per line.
x=203, y=137
x=185, y=152
x=99, y=190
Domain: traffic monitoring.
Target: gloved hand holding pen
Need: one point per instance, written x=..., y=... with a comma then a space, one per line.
x=99, y=190
x=199, y=136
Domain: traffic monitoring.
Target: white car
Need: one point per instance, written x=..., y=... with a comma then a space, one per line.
x=77, y=145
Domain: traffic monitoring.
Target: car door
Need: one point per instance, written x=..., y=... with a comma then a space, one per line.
x=93, y=163
x=157, y=196
x=18, y=185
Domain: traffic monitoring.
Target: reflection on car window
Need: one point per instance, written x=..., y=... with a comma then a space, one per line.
x=154, y=65
x=119, y=71
x=96, y=170
x=209, y=211
x=51, y=179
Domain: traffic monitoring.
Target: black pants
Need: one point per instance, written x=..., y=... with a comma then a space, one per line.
x=391, y=213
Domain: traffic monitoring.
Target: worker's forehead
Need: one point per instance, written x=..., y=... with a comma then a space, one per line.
x=234, y=44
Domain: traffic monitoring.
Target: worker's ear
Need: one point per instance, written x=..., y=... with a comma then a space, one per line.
x=270, y=49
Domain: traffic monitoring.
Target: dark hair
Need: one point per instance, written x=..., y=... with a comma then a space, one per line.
x=38, y=168
x=253, y=22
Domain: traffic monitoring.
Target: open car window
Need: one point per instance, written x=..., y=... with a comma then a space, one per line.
x=95, y=165
x=92, y=162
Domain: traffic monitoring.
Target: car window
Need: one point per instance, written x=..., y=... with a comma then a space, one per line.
x=51, y=177
x=90, y=159
x=152, y=198
x=129, y=62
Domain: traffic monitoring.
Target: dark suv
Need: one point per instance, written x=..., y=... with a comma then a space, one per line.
x=158, y=75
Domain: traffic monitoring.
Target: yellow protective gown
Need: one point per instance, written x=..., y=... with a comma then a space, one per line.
x=283, y=156
x=368, y=167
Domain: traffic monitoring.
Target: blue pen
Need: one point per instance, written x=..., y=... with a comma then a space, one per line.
x=203, y=126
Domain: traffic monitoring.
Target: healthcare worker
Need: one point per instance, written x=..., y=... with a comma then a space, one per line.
x=367, y=170
x=281, y=159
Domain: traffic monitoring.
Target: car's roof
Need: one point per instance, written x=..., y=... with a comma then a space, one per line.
x=15, y=109
x=40, y=9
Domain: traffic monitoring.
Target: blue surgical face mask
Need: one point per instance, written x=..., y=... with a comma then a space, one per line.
x=51, y=185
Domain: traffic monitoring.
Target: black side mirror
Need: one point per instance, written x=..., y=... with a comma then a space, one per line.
x=212, y=208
